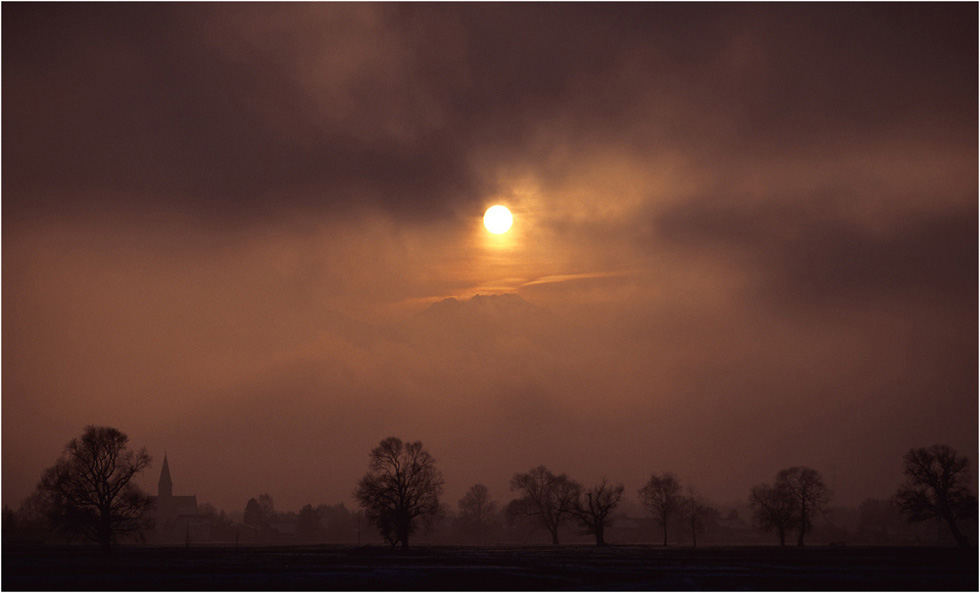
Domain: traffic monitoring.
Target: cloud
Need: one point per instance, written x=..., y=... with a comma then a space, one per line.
x=237, y=115
x=574, y=277
x=805, y=251
x=164, y=111
x=734, y=225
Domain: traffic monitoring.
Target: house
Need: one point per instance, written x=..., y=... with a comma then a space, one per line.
x=175, y=518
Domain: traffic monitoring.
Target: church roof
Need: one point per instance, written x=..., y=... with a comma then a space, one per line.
x=165, y=483
x=171, y=506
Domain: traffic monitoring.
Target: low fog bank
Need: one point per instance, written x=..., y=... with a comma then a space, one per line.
x=742, y=243
x=497, y=384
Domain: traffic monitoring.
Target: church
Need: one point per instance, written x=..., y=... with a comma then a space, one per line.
x=175, y=518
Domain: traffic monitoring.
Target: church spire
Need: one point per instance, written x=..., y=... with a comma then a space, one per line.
x=165, y=488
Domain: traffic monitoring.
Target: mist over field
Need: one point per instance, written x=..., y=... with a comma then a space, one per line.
x=250, y=237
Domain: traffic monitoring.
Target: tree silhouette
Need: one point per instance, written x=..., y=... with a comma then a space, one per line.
x=255, y=515
x=595, y=505
x=31, y=522
x=661, y=496
x=308, y=527
x=338, y=523
x=267, y=506
x=402, y=485
x=89, y=490
x=809, y=494
x=476, y=511
x=222, y=528
x=878, y=519
x=773, y=509
x=697, y=513
x=937, y=486
x=544, y=495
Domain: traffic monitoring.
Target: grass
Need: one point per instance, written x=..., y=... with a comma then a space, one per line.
x=488, y=568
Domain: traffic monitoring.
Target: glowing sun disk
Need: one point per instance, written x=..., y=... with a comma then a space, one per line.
x=498, y=219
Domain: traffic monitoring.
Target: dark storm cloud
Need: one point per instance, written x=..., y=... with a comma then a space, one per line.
x=174, y=104
x=219, y=109
x=735, y=225
x=152, y=107
x=840, y=75
x=805, y=251
x=166, y=107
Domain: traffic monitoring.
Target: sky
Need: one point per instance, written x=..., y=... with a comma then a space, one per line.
x=250, y=237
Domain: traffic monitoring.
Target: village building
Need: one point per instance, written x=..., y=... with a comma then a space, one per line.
x=175, y=518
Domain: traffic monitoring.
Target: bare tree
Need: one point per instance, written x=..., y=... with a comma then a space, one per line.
x=697, y=514
x=544, y=495
x=476, y=512
x=89, y=490
x=661, y=496
x=255, y=516
x=31, y=522
x=773, y=509
x=809, y=493
x=220, y=525
x=260, y=512
x=595, y=505
x=879, y=520
x=308, y=526
x=937, y=486
x=339, y=524
x=267, y=506
x=402, y=485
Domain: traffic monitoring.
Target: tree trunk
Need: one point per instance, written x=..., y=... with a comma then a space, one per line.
x=803, y=522
x=600, y=539
x=664, y=521
x=782, y=537
x=554, y=537
x=404, y=527
x=105, y=533
x=694, y=536
x=961, y=539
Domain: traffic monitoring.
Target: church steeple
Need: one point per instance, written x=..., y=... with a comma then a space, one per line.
x=165, y=488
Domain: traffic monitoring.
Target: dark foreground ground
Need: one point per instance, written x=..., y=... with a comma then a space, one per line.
x=493, y=568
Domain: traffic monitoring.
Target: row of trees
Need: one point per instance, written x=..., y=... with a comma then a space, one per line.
x=403, y=485
x=89, y=493
x=790, y=502
x=321, y=523
x=553, y=499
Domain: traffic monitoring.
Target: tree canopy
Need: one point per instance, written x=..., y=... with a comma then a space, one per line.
x=773, y=509
x=477, y=512
x=89, y=491
x=805, y=488
x=401, y=486
x=937, y=486
x=595, y=506
x=552, y=498
x=662, y=496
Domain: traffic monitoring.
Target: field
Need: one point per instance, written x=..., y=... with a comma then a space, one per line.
x=489, y=568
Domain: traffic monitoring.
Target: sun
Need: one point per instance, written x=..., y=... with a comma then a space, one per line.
x=498, y=219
